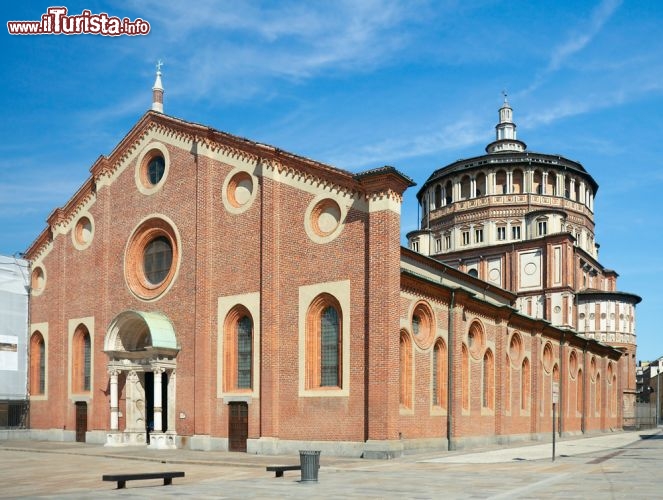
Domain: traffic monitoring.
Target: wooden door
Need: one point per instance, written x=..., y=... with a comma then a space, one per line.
x=238, y=426
x=81, y=421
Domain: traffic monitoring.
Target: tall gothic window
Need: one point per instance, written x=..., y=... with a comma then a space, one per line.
x=37, y=364
x=244, y=351
x=329, y=359
x=405, y=352
x=81, y=359
x=324, y=343
x=238, y=350
x=439, y=381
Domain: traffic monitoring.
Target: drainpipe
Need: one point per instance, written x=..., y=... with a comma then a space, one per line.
x=450, y=384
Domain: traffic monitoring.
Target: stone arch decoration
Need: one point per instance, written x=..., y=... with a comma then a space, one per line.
x=142, y=349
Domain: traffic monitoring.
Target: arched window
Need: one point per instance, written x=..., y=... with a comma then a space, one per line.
x=323, y=343
x=330, y=348
x=597, y=394
x=238, y=350
x=465, y=183
x=244, y=350
x=488, y=380
x=551, y=184
x=439, y=374
x=81, y=359
x=518, y=181
x=465, y=377
x=580, y=395
x=525, y=384
x=481, y=184
x=507, y=384
x=448, y=188
x=500, y=182
x=537, y=182
x=37, y=364
x=613, y=406
x=438, y=197
x=405, y=352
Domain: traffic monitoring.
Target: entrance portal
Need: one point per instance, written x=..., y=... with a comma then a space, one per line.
x=142, y=348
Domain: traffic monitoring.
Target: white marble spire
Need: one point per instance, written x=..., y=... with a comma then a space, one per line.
x=157, y=90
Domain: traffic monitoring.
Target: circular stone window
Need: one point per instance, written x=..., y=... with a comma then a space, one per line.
x=152, y=168
x=423, y=325
x=82, y=234
x=155, y=169
x=152, y=258
x=38, y=280
x=324, y=220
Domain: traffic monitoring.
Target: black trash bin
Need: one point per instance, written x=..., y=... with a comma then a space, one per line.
x=310, y=462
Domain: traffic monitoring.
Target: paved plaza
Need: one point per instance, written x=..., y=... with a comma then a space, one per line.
x=619, y=465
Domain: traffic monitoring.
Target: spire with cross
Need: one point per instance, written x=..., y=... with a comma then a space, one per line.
x=157, y=90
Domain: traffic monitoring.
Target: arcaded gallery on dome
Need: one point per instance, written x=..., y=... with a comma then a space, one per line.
x=206, y=291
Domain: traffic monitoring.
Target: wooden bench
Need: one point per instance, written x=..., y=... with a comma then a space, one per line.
x=123, y=478
x=280, y=469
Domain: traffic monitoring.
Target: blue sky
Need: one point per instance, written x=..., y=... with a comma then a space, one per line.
x=356, y=84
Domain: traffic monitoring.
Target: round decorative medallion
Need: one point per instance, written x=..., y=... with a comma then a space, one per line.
x=325, y=217
x=323, y=220
x=240, y=189
x=494, y=276
x=83, y=232
x=530, y=268
x=573, y=364
x=476, y=340
x=423, y=325
x=547, y=357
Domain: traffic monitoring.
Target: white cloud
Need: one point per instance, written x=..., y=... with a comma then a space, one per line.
x=576, y=41
x=233, y=49
x=460, y=134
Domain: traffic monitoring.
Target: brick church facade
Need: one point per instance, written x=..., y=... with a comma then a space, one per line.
x=206, y=291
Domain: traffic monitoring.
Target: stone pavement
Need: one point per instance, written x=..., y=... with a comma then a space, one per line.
x=619, y=465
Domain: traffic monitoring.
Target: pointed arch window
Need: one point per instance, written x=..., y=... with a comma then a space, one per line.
x=37, y=364
x=580, y=396
x=597, y=394
x=405, y=353
x=238, y=350
x=324, y=343
x=525, y=385
x=330, y=336
x=488, y=397
x=465, y=377
x=81, y=359
x=439, y=381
